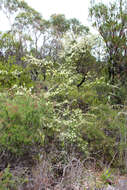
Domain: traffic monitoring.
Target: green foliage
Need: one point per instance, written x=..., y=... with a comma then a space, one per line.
x=8, y=181
x=76, y=28
x=59, y=24
x=25, y=121
x=111, y=21
x=11, y=74
x=106, y=175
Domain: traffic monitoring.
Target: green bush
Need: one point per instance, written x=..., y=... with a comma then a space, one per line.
x=25, y=121
x=12, y=74
x=106, y=133
x=7, y=181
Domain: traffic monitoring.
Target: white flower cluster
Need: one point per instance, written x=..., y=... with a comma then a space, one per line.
x=15, y=72
x=33, y=61
x=21, y=90
x=3, y=72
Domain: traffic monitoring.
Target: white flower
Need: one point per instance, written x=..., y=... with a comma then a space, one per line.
x=3, y=72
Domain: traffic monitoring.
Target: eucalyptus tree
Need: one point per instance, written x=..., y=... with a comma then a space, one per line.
x=27, y=27
x=30, y=22
x=58, y=27
x=11, y=8
x=76, y=29
x=111, y=22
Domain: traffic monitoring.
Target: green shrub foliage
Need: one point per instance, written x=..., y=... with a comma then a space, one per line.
x=24, y=122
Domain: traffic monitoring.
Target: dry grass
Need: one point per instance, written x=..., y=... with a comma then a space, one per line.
x=51, y=173
x=58, y=170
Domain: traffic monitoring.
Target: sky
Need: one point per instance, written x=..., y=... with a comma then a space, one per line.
x=70, y=8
